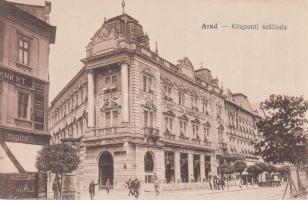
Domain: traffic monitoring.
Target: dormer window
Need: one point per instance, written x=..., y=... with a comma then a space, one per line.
x=175, y=69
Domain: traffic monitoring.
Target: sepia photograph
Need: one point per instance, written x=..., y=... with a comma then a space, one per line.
x=154, y=99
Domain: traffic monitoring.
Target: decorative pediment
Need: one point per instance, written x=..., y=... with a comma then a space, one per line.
x=103, y=34
x=207, y=124
x=195, y=121
x=186, y=67
x=220, y=127
x=169, y=113
x=183, y=117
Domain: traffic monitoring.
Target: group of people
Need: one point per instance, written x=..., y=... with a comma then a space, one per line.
x=133, y=187
x=216, y=182
x=57, y=188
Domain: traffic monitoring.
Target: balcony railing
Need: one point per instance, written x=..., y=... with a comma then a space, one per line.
x=223, y=145
x=151, y=133
x=187, y=140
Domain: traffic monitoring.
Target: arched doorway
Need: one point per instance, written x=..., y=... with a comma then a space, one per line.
x=105, y=168
x=149, y=167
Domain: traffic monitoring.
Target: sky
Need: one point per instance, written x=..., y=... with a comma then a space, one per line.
x=254, y=62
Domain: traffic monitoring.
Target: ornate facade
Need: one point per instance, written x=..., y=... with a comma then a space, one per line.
x=25, y=36
x=135, y=114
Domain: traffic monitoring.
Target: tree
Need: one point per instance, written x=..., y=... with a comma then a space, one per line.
x=58, y=158
x=254, y=171
x=239, y=167
x=283, y=171
x=282, y=130
x=226, y=168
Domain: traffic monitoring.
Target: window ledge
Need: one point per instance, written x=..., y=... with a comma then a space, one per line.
x=24, y=65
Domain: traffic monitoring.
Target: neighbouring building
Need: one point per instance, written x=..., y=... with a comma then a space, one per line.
x=132, y=113
x=241, y=128
x=25, y=36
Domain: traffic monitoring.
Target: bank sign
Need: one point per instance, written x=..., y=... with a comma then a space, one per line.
x=14, y=77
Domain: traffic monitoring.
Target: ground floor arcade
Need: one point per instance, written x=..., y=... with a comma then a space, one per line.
x=119, y=162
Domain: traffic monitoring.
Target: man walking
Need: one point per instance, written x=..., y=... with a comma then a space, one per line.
x=92, y=189
x=55, y=189
x=108, y=184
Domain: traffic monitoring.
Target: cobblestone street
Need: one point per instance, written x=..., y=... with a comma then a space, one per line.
x=268, y=193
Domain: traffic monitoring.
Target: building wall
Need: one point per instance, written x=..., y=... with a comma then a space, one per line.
x=30, y=78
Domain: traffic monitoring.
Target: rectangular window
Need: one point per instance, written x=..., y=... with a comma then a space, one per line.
x=195, y=131
x=114, y=78
x=194, y=103
x=181, y=96
x=107, y=80
x=23, y=103
x=167, y=91
x=183, y=125
x=148, y=119
x=168, y=124
x=147, y=84
x=204, y=106
x=115, y=115
x=23, y=50
x=107, y=115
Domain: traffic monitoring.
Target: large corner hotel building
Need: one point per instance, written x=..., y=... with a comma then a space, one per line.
x=132, y=113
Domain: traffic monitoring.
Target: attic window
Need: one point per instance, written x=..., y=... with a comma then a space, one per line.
x=175, y=69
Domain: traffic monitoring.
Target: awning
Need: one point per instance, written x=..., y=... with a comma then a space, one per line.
x=25, y=154
x=6, y=165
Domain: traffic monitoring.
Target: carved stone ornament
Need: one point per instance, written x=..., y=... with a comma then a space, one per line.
x=103, y=34
x=148, y=105
x=148, y=72
x=110, y=106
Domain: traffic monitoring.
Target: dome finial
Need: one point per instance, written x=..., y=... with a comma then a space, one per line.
x=201, y=65
x=156, y=49
x=123, y=6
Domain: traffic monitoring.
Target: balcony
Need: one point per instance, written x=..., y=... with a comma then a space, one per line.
x=223, y=145
x=151, y=133
x=181, y=139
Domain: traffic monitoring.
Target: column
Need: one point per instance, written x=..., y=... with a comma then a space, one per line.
x=190, y=167
x=177, y=166
x=202, y=167
x=124, y=89
x=91, y=111
x=213, y=164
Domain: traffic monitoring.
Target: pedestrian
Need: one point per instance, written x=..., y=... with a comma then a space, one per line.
x=210, y=182
x=129, y=186
x=59, y=187
x=156, y=186
x=108, y=184
x=55, y=189
x=218, y=183
x=222, y=182
x=215, y=182
x=92, y=189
